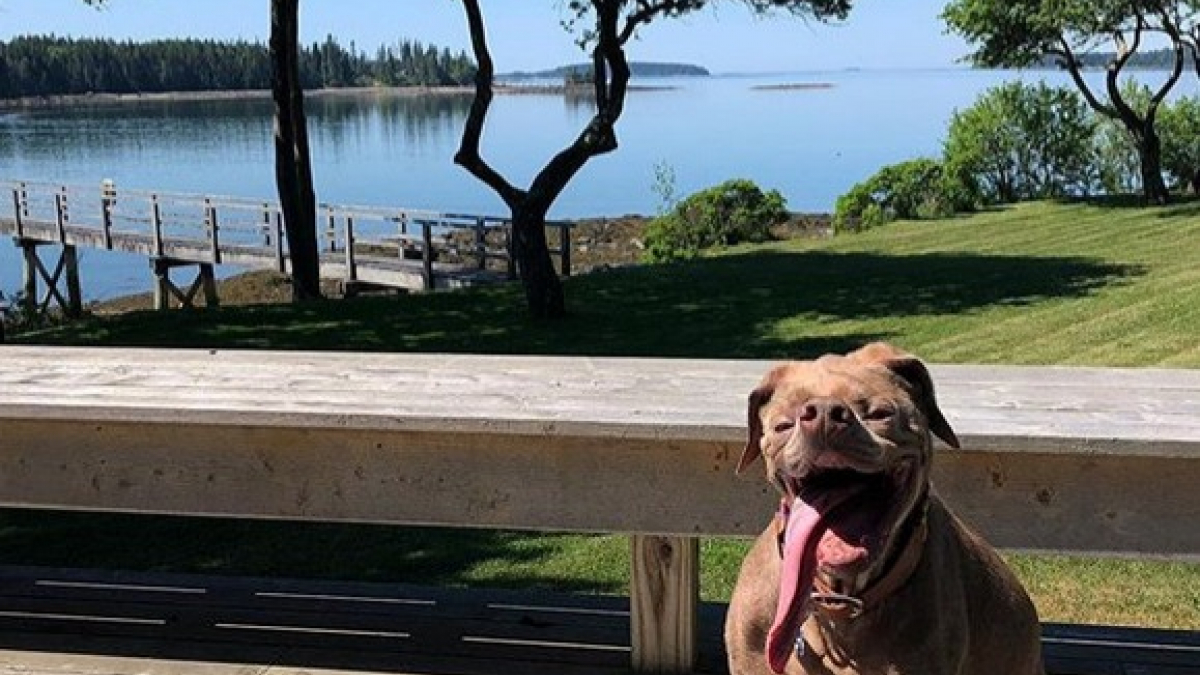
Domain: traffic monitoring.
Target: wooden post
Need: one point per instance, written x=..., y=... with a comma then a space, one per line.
x=74, y=308
x=108, y=200
x=564, y=246
x=331, y=229
x=208, y=280
x=280, y=262
x=266, y=224
x=480, y=242
x=156, y=225
x=162, y=279
x=427, y=254
x=351, y=265
x=29, y=276
x=508, y=250
x=210, y=222
x=664, y=597
x=18, y=210
x=60, y=214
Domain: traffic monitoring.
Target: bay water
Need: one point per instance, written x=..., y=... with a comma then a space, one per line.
x=810, y=135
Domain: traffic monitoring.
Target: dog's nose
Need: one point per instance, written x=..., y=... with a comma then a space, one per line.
x=828, y=411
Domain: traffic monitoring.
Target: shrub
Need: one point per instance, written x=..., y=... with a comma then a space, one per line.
x=733, y=212
x=918, y=188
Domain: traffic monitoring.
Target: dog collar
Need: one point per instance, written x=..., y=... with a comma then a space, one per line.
x=840, y=606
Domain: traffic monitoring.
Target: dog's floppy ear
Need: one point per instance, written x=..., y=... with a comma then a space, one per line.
x=913, y=371
x=754, y=430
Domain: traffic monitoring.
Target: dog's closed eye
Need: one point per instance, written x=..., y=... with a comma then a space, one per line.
x=880, y=413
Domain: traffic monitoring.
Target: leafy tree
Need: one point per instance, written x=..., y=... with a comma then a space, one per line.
x=1118, y=164
x=1018, y=33
x=1021, y=141
x=293, y=161
x=1179, y=130
x=607, y=26
x=1180, y=123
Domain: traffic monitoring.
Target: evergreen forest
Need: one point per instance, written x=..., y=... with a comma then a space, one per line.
x=50, y=65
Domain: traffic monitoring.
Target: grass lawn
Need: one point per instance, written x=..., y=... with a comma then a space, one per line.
x=1044, y=283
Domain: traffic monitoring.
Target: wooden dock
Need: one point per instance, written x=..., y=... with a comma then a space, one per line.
x=92, y=622
x=383, y=247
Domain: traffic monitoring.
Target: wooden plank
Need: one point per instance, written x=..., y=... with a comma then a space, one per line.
x=190, y=640
x=664, y=596
x=380, y=601
x=1115, y=504
x=662, y=398
x=421, y=477
x=467, y=625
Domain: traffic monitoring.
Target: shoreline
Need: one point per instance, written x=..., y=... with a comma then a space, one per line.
x=600, y=244
x=56, y=100
x=101, y=98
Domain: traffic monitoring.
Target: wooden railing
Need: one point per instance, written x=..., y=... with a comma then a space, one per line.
x=363, y=245
x=1081, y=460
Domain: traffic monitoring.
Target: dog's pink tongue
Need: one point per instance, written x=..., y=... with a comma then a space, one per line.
x=804, y=528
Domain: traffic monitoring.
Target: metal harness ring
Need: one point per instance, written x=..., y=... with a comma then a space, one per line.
x=842, y=602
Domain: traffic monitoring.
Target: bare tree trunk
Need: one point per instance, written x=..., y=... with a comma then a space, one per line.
x=293, y=164
x=1140, y=126
x=1154, y=186
x=610, y=71
x=543, y=290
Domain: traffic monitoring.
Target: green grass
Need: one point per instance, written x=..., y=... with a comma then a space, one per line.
x=1043, y=283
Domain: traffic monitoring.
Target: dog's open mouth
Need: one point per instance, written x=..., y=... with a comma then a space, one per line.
x=853, y=506
x=838, y=521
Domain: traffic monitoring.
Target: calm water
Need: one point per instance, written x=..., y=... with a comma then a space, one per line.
x=810, y=144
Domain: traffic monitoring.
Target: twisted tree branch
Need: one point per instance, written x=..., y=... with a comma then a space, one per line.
x=468, y=155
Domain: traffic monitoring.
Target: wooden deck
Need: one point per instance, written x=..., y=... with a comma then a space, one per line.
x=87, y=622
x=1083, y=460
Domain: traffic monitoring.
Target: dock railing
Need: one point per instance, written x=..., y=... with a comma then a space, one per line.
x=389, y=247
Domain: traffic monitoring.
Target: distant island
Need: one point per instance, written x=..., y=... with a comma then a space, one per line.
x=793, y=86
x=580, y=71
x=1153, y=59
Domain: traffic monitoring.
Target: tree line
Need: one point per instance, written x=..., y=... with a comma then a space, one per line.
x=1153, y=59
x=50, y=65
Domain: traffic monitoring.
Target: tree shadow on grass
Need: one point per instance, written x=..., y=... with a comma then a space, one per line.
x=721, y=307
x=1181, y=206
x=301, y=550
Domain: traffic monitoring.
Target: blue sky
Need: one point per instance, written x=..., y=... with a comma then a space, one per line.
x=525, y=34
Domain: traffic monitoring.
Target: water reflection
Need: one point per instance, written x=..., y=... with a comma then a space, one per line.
x=419, y=122
x=337, y=123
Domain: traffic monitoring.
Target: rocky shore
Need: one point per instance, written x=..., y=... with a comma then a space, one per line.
x=598, y=244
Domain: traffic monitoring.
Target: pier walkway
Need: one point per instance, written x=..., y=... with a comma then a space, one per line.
x=385, y=247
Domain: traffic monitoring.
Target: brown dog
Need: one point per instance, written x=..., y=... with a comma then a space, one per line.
x=864, y=570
